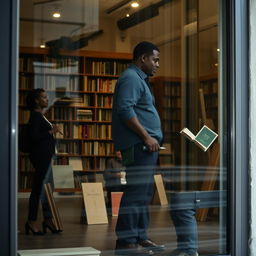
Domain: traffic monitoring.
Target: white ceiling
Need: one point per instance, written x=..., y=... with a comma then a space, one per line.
x=161, y=29
x=76, y=12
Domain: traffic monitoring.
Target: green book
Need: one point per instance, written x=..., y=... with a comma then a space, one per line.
x=204, y=138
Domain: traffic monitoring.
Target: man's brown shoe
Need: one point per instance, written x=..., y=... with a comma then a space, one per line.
x=131, y=249
x=149, y=244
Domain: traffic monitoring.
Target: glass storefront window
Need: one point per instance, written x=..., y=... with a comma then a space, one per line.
x=69, y=65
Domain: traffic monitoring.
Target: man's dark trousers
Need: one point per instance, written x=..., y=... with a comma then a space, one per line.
x=133, y=219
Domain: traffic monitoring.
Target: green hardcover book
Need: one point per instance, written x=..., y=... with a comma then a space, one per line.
x=204, y=138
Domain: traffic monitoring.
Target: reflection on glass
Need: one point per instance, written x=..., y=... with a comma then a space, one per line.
x=86, y=50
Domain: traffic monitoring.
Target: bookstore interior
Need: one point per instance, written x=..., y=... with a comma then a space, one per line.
x=76, y=51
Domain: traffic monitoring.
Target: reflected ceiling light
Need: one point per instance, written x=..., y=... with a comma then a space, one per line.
x=218, y=49
x=135, y=4
x=216, y=64
x=56, y=14
x=42, y=45
x=127, y=12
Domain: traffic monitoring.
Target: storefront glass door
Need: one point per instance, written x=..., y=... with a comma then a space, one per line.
x=71, y=55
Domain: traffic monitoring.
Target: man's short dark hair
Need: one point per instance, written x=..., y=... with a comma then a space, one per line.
x=143, y=48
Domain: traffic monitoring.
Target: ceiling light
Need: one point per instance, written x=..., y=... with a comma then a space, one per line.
x=127, y=15
x=42, y=45
x=56, y=11
x=218, y=49
x=135, y=4
x=56, y=15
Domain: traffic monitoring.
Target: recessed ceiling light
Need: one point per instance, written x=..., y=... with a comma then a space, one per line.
x=127, y=15
x=135, y=4
x=42, y=45
x=56, y=15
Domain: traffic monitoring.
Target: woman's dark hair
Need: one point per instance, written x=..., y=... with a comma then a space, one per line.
x=31, y=98
x=143, y=48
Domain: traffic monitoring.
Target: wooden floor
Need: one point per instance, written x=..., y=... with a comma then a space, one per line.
x=102, y=237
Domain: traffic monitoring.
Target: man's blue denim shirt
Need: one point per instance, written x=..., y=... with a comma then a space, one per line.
x=133, y=98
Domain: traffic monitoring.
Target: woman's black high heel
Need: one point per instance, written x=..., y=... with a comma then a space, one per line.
x=28, y=228
x=49, y=224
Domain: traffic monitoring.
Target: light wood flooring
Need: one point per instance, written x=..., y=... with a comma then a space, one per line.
x=102, y=237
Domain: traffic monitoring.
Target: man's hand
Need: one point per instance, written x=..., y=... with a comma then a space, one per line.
x=152, y=144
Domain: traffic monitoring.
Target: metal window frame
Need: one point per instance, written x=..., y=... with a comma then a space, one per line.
x=8, y=128
x=238, y=142
x=237, y=69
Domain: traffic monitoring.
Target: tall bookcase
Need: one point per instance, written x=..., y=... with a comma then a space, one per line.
x=209, y=85
x=80, y=87
x=167, y=91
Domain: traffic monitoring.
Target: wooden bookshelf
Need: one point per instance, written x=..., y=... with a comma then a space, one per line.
x=167, y=91
x=83, y=82
x=209, y=85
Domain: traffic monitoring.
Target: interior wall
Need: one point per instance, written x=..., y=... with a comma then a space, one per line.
x=163, y=30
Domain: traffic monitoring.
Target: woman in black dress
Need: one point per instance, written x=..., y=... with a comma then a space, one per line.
x=42, y=149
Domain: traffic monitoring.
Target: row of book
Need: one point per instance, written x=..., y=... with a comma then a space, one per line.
x=69, y=147
x=85, y=148
x=83, y=114
x=172, y=89
x=172, y=102
x=104, y=101
x=88, y=100
x=24, y=164
x=67, y=64
x=22, y=99
x=104, y=115
x=82, y=163
x=26, y=64
x=97, y=148
x=110, y=67
x=44, y=64
x=25, y=180
x=84, y=131
x=67, y=83
x=211, y=102
x=70, y=114
x=209, y=86
x=171, y=114
x=23, y=116
x=99, y=84
x=65, y=113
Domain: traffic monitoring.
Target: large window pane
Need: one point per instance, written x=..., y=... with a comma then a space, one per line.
x=69, y=67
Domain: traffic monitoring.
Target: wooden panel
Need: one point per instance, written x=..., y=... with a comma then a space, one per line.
x=94, y=203
x=160, y=190
x=55, y=213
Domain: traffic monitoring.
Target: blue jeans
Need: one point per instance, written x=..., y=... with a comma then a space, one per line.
x=186, y=229
x=133, y=218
